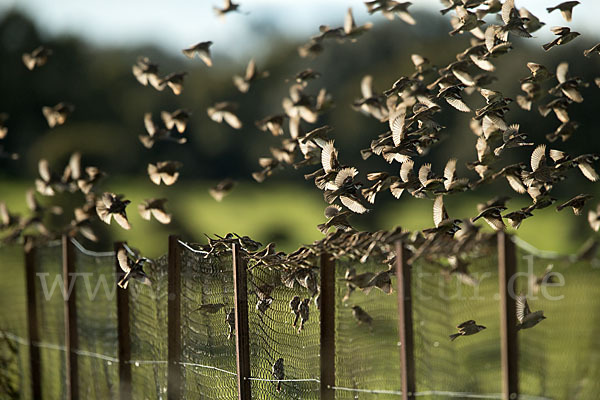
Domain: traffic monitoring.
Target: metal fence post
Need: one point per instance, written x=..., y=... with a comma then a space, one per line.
x=405, y=322
x=32, y=319
x=71, y=336
x=123, y=331
x=242, y=336
x=327, y=343
x=174, y=321
x=507, y=265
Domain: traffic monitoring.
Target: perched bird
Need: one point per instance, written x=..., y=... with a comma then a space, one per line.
x=304, y=312
x=252, y=74
x=225, y=111
x=165, y=171
x=230, y=320
x=564, y=36
x=576, y=203
x=566, y=9
x=58, y=114
x=222, y=189
x=278, y=372
x=154, y=208
x=37, y=58
x=526, y=318
x=201, y=49
x=294, y=304
x=361, y=316
x=469, y=327
x=211, y=308
x=112, y=205
x=132, y=269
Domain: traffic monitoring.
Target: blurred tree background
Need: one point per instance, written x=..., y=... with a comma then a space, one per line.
x=110, y=104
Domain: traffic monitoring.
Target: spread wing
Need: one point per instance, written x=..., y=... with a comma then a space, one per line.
x=522, y=308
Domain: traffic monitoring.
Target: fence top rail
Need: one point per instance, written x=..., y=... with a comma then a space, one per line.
x=91, y=253
x=190, y=248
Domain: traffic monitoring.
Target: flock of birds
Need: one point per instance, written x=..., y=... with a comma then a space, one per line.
x=407, y=109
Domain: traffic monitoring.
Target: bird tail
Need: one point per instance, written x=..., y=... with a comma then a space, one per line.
x=330, y=196
x=323, y=228
x=454, y=336
x=548, y=46
x=550, y=9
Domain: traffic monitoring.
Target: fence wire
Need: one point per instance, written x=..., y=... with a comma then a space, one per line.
x=558, y=358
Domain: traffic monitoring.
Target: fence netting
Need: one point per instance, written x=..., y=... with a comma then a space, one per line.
x=366, y=336
x=14, y=355
x=95, y=299
x=148, y=329
x=558, y=359
x=208, y=346
x=49, y=287
x=276, y=333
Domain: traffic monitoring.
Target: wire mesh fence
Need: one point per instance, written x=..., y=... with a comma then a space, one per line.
x=559, y=359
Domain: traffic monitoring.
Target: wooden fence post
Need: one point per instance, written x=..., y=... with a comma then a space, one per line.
x=70, y=306
x=405, y=323
x=327, y=343
x=32, y=319
x=507, y=265
x=242, y=336
x=123, y=331
x=174, y=320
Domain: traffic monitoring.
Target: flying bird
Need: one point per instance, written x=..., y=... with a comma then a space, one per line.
x=225, y=111
x=165, y=171
x=527, y=319
x=566, y=9
x=201, y=49
x=466, y=328
x=37, y=58
x=132, y=269
x=154, y=208
x=252, y=74
x=113, y=205
x=58, y=114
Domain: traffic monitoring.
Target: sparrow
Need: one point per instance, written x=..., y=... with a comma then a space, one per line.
x=564, y=36
x=294, y=304
x=526, y=318
x=304, y=312
x=112, y=205
x=566, y=9
x=469, y=327
x=156, y=133
x=154, y=208
x=351, y=30
x=37, y=58
x=174, y=81
x=594, y=218
x=278, y=373
x=230, y=320
x=361, y=316
x=58, y=114
x=273, y=124
x=492, y=216
x=252, y=74
x=592, y=50
x=222, y=189
x=167, y=171
x=202, y=49
x=229, y=6
x=132, y=269
x=211, y=308
x=146, y=72
x=576, y=203
x=535, y=282
x=225, y=111
x=177, y=119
